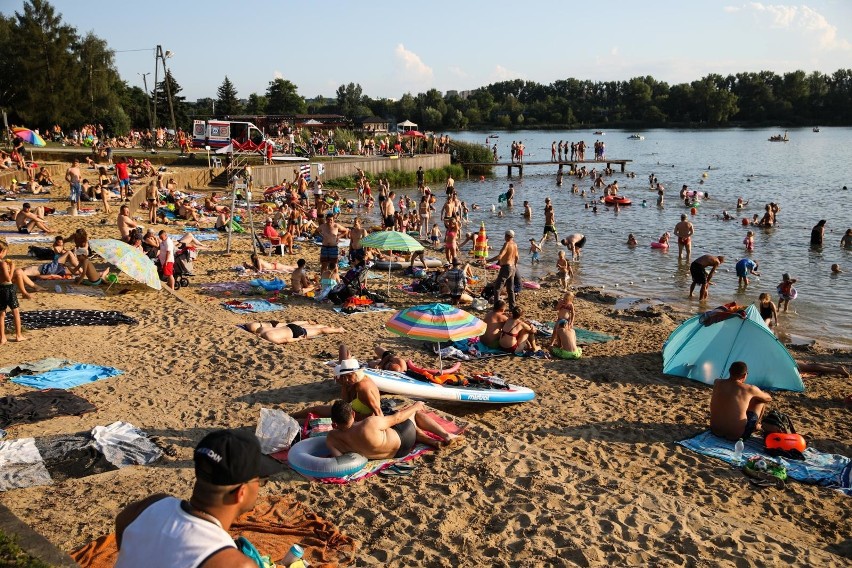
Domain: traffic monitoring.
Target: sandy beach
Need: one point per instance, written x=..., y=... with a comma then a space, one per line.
x=587, y=474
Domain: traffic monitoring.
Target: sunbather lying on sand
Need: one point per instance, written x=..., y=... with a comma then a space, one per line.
x=388, y=360
x=823, y=368
x=261, y=265
x=282, y=332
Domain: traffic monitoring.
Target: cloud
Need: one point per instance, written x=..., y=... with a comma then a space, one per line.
x=277, y=75
x=500, y=73
x=614, y=51
x=798, y=18
x=457, y=72
x=411, y=67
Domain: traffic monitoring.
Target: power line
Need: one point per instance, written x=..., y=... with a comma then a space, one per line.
x=131, y=50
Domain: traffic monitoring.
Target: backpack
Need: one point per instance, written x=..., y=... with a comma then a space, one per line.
x=774, y=421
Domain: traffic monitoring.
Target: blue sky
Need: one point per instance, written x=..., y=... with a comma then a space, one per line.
x=393, y=48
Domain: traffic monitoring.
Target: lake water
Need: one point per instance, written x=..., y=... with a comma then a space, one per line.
x=805, y=176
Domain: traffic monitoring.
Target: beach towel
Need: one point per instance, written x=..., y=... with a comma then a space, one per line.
x=36, y=367
x=467, y=349
x=584, y=336
x=41, y=405
x=67, y=377
x=360, y=310
x=200, y=237
x=41, y=319
x=17, y=238
x=249, y=306
x=826, y=470
x=79, y=290
x=272, y=527
x=28, y=462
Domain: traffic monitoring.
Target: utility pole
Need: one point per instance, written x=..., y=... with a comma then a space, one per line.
x=147, y=102
x=160, y=56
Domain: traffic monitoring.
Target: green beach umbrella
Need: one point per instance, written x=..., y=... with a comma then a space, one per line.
x=391, y=240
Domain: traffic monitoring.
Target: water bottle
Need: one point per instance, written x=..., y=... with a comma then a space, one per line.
x=293, y=558
x=738, y=452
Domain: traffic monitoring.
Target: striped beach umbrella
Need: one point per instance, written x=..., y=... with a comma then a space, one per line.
x=29, y=136
x=391, y=240
x=435, y=322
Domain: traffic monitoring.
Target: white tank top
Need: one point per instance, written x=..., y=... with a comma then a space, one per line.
x=166, y=536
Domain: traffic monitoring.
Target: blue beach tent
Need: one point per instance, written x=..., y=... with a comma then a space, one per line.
x=704, y=353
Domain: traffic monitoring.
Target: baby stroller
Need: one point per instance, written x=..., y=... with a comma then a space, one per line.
x=353, y=283
x=183, y=268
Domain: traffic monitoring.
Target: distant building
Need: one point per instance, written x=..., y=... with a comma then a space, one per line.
x=375, y=124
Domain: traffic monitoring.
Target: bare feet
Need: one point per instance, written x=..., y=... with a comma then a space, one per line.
x=20, y=338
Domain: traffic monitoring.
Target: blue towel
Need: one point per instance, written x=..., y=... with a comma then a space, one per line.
x=827, y=470
x=273, y=285
x=200, y=237
x=255, y=306
x=67, y=377
x=481, y=350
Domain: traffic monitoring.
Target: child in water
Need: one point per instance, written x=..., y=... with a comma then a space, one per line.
x=664, y=238
x=535, y=251
x=435, y=235
x=767, y=309
x=786, y=292
x=631, y=240
x=748, y=241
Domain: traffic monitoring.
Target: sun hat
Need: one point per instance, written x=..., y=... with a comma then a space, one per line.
x=231, y=457
x=510, y=233
x=346, y=366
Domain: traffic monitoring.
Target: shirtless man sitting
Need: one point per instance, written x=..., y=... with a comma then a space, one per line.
x=299, y=281
x=26, y=220
x=494, y=321
x=735, y=407
x=125, y=222
x=374, y=437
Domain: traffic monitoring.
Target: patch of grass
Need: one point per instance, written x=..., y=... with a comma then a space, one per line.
x=11, y=555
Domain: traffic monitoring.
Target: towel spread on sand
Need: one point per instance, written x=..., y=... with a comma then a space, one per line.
x=200, y=237
x=80, y=290
x=272, y=527
x=273, y=285
x=36, y=406
x=41, y=461
x=19, y=239
x=67, y=377
x=584, y=336
x=467, y=349
x=360, y=310
x=41, y=319
x=36, y=367
x=827, y=470
x=216, y=288
x=251, y=306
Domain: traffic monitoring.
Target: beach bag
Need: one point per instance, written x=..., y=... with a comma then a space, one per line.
x=275, y=430
x=766, y=471
x=775, y=421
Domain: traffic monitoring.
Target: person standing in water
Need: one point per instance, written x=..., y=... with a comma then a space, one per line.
x=684, y=231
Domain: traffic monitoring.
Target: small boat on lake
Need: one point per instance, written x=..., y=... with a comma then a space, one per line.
x=635, y=137
x=816, y=129
x=599, y=132
x=779, y=138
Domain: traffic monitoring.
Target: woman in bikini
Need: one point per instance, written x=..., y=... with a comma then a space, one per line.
x=517, y=335
x=261, y=265
x=283, y=332
x=451, y=240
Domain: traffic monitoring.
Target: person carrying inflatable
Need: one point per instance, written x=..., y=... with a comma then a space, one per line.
x=480, y=243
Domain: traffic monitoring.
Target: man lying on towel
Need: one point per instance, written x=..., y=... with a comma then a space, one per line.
x=735, y=407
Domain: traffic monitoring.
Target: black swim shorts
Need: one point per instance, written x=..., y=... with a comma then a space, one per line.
x=8, y=297
x=298, y=331
x=329, y=253
x=751, y=424
x=699, y=276
x=407, y=437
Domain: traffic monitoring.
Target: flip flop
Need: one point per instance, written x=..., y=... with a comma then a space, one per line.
x=404, y=466
x=394, y=471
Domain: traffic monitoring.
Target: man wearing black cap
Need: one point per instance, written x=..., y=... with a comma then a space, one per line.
x=164, y=531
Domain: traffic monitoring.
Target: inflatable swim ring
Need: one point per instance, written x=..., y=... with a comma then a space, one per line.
x=616, y=199
x=693, y=211
x=531, y=285
x=395, y=265
x=435, y=372
x=792, y=296
x=312, y=458
x=658, y=245
x=493, y=267
x=780, y=441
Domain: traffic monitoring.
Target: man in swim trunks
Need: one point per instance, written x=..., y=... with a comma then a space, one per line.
x=375, y=437
x=702, y=278
x=330, y=235
x=549, y=221
x=26, y=220
x=299, y=282
x=684, y=231
x=735, y=407
x=74, y=177
x=575, y=242
x=507, y=258
x=388, y=360
x=356, y=233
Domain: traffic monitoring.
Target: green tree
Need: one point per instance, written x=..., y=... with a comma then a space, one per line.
x=713, y=104
x=282, y=98
x=256, y=104
x=349, y=98
x=164, y=117
x=227, y=101
x=100, y=84
x=43, y=73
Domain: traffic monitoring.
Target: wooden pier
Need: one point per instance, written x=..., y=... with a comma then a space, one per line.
x=571, y=163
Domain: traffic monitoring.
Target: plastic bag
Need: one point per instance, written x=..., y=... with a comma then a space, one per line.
x=276, y=430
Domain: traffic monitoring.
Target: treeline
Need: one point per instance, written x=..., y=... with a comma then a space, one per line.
x=49, y=75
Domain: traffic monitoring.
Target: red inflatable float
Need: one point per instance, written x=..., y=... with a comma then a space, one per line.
x=434, y=372
x=780, y=441
x=616, y=199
